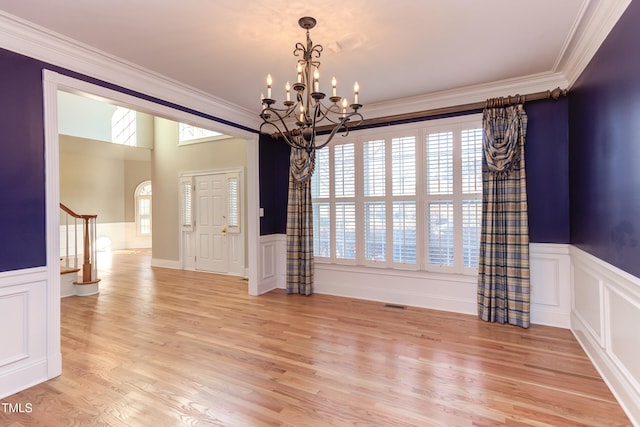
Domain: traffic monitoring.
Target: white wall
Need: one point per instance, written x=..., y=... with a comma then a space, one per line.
x=550, y=279
x=605, y=319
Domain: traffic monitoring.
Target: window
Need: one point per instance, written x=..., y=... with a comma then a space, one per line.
x=403, y=197
x=123, y=127
x=321, y=209
x=186, y=203
x=410, y=198
x=233, y=203
x=143, y=209
x=189, y=134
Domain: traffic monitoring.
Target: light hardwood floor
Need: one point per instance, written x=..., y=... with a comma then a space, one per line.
x=160, y=347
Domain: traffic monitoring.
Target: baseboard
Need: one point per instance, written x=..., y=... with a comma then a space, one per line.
x=166, y=263
x=26, y=376
x=67, y=288
x=619, y=385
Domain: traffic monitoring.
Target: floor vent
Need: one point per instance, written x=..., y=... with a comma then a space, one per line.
x=399, y=307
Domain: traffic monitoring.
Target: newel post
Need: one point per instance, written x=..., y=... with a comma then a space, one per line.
x=86, y=266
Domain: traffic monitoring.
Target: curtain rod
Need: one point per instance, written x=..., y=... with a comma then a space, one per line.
x=387, y=120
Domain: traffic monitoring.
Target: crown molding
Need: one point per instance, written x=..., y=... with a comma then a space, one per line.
x=31, y=40
x=468, y=94
x=596, y=22
x=592, y=26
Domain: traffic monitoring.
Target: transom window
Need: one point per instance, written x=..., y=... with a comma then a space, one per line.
x=410, y=198
x=189, y=134
x=123, y=127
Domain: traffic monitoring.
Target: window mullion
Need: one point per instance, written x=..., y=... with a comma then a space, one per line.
x=359, y=201
x=458, y=252
x=420, y=200
x=332, y=205
x=388, y=199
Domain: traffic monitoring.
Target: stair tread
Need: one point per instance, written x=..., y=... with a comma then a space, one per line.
x=69, y=270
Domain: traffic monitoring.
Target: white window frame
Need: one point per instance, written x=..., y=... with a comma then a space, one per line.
x=137, y=198
x=420, y=132
x=186, y=195
x=456, y=126
x=234, y=205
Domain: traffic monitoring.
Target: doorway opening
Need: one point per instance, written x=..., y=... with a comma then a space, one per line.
x=54, y=82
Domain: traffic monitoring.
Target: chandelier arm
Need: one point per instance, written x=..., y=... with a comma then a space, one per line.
x=288, y=138
x=324, y=111
x=333, y=133
x=281, y=114
x=287, y=135
x=342, y=124
x=336, y=110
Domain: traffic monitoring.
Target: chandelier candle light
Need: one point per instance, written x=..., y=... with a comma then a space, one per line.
x=299, y=129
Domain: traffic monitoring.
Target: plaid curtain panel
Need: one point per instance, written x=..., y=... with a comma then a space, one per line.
x=300, y=223
x=503, y=271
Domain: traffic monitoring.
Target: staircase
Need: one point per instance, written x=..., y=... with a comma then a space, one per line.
x=75, y=279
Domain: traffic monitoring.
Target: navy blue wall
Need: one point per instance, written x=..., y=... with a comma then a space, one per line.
x=546, y=158
x=547, y=163
x=274, y=184
x=22, y=176
x=22, y=159
x=604, y=124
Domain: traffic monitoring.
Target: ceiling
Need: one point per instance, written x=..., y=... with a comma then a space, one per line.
x=393, y=48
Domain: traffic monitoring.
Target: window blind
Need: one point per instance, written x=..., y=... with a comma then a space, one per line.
x=440, y=163
x=345, y=230
x=344, y=170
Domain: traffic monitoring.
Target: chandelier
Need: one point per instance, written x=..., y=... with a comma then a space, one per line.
x=298, y=120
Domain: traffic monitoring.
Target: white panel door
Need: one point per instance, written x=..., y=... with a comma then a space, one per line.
x=211, y=223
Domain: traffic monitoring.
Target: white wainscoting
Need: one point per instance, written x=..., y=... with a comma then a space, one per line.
x=550, y=266
x=550, y=282
x=272, y=265
x=23, y=316
x=112, y=235
x=131, y=238
x=606, y=321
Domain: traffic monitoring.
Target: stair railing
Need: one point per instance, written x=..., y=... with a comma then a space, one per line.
x=90, y=248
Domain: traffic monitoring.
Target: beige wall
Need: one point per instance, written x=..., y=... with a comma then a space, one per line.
x=168, y=161
x=100, y=178
x=95, y=177
x=135, y=172
x=144, y=130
